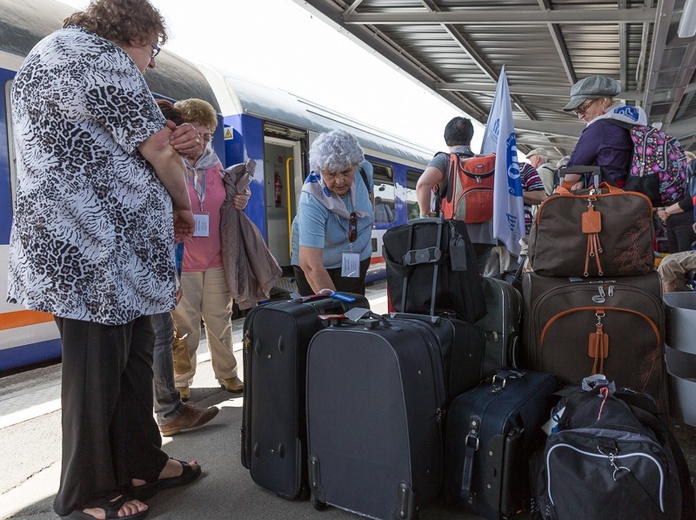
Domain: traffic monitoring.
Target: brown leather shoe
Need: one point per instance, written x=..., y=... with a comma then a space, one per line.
x=192, y=418
x=232, y=384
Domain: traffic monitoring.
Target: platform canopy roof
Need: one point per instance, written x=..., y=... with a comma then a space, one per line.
x=457, y=49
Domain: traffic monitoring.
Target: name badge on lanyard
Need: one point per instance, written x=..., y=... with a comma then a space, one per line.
x=350, y=265
x=202, y=220
x=202, y=225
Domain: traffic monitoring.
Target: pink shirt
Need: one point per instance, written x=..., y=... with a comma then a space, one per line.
x=202, y=253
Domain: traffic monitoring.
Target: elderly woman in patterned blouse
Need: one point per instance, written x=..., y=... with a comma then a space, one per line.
x=101, y=194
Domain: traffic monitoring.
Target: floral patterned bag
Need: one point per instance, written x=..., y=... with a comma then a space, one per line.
x=658, y=168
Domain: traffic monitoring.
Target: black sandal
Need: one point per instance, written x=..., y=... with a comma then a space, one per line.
x=188, y=475
x=111, y=509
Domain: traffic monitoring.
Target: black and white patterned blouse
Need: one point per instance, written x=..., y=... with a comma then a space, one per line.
x=92, y=233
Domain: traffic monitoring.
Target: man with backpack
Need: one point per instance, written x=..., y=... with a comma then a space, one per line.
x=433, y=183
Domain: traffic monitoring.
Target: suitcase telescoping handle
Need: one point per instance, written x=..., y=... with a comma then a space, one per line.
x=500, y=379
x=598, y=175
x=423, y=256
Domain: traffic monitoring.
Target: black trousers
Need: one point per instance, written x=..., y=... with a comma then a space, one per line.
x=109, y=433
x=680, y=233
x=342, y=283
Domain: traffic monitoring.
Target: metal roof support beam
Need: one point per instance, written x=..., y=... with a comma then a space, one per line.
x=375, y=41
x=623, y=49
x=684, y=75
x=522, y=90
x=659, y=42
x=507, y=17
x=686, y=101
x=478, y=60
x=560, y=45
x=353, y=7
x=550, y=127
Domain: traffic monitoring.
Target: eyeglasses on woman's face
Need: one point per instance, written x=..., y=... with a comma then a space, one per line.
x=155, y=51
x=348, y=172
x=584, y=107
x=207, y=136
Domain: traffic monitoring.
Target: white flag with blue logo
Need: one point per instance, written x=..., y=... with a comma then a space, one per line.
x=499, y=138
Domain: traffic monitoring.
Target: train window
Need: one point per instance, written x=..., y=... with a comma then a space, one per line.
x=12, y=160
x=384, y=192
x=411, y=200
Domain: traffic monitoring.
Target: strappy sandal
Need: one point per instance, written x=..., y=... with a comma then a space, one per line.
x=188, y=475
x=111, y=509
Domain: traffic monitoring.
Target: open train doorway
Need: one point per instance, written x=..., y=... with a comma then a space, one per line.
x=283, y=183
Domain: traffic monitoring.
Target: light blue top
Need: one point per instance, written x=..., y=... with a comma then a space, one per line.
x=315, y=226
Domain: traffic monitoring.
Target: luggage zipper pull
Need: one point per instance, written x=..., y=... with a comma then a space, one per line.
x=611, y=291
x=612, y=463
x=247, y=341
x=598, y=345
x=591, y=226
x=600, y=297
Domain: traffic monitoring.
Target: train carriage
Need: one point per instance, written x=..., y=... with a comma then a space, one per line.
x=269, y=125
x=276, y=128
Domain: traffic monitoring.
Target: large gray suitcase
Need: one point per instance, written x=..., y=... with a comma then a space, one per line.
x=274, y=440
x=375, y=402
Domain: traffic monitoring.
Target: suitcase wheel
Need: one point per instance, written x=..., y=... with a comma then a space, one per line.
x=316, y=503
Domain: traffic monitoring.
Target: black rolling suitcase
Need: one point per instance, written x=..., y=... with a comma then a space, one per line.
x=576, y=327
x=429, y=257
x=276, y=337
x=375, y=401
x=492, y=430
x=462, y=343
x=501, y=325
x=461, y=346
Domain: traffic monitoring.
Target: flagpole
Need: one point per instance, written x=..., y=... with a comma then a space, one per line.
x=499, y=138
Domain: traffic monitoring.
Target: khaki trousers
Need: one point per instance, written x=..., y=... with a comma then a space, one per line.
x=673, y=269
x=206, y=296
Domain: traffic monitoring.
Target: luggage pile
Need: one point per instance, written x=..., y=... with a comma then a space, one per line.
x=381, y=414
x=593, y=313
x=593, y=300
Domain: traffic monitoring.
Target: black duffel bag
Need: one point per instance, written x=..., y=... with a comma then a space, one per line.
x=431, y=269
x=610, y=455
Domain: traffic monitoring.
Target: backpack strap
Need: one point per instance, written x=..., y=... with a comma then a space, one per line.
x=454, y=158
x=363, y=174
x=451, y=173
x=623, y=124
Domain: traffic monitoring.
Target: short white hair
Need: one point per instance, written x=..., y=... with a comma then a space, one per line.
x=335, y=151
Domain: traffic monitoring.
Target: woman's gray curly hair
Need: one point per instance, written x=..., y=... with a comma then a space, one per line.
x=335, y=151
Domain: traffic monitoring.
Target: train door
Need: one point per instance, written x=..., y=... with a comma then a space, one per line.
x=283, y=183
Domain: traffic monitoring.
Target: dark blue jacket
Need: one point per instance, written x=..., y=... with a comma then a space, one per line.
x=607, y=145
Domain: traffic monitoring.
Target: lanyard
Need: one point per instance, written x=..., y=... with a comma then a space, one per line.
x=200, y=188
